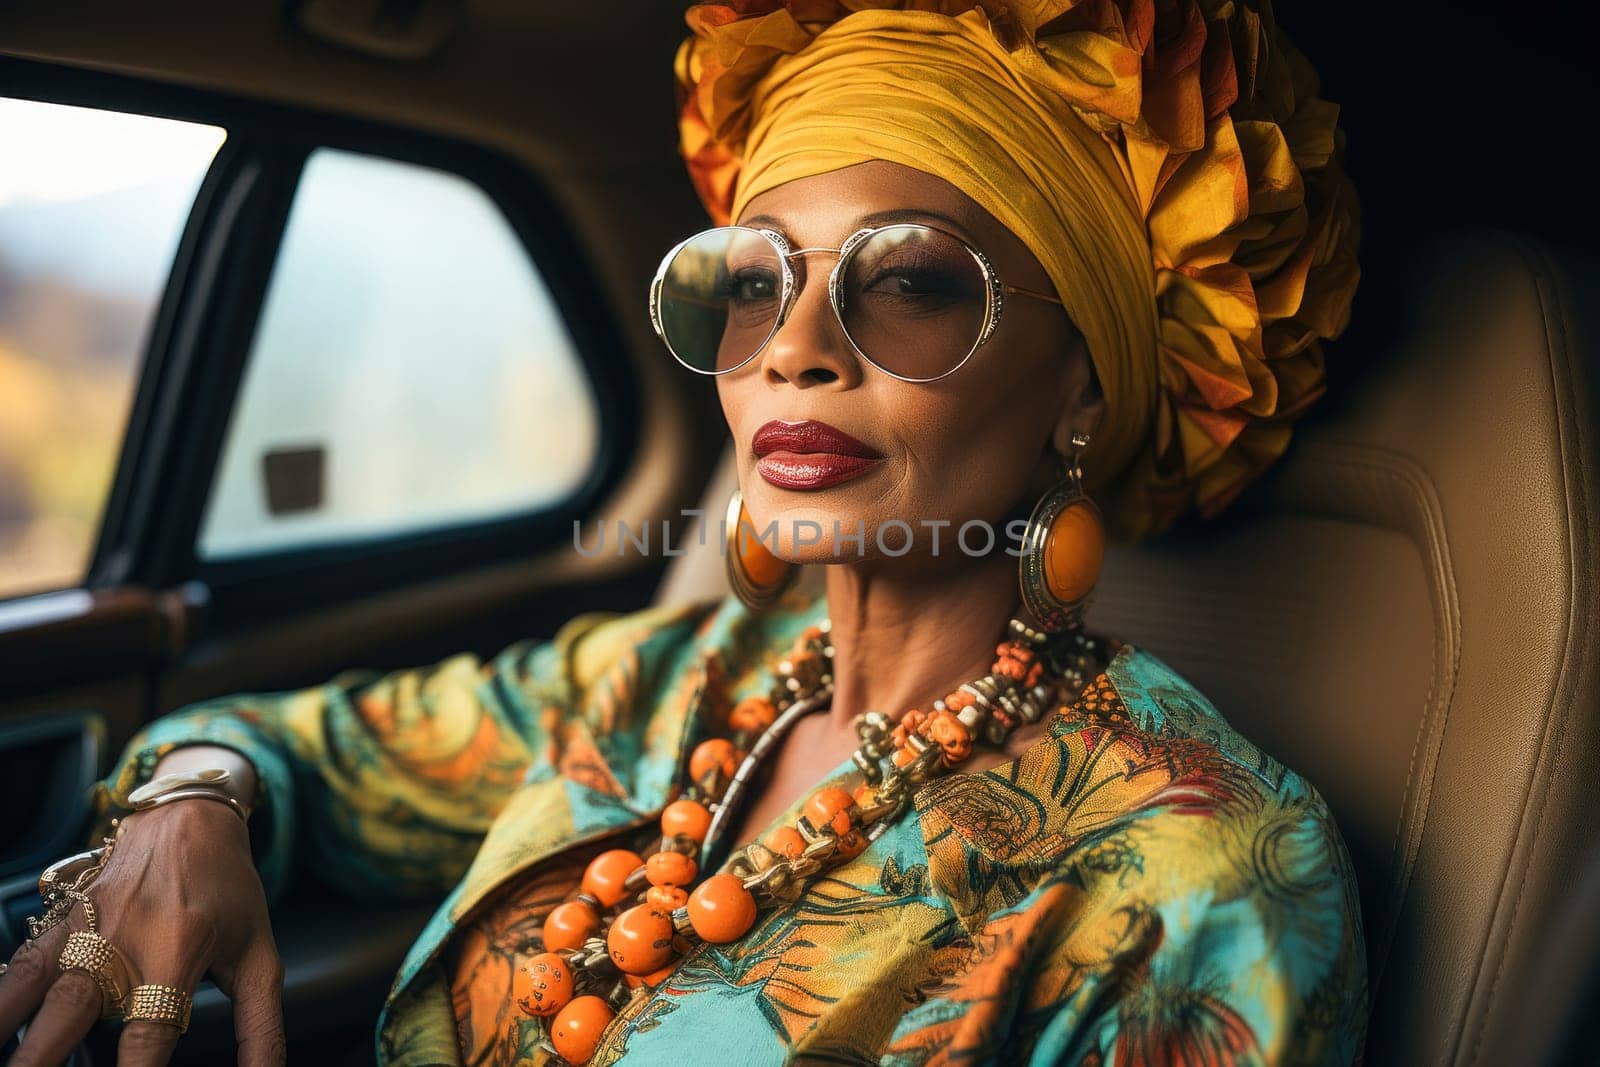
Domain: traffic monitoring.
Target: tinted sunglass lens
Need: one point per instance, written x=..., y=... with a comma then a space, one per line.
x=720, y=296
x=913, y=301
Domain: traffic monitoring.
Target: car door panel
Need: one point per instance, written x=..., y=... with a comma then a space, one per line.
x=155, y=628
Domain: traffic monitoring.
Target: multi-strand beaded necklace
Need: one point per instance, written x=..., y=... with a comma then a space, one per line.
x=634, y=917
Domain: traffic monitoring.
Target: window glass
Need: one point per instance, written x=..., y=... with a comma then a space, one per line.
x=410, y=370
x=92, y=204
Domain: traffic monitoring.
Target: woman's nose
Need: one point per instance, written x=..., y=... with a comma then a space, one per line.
x=810, y=348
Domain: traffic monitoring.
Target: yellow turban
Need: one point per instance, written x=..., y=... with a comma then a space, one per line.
x=1166, y=161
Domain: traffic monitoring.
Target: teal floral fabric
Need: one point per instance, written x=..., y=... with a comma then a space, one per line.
x=1141, y=886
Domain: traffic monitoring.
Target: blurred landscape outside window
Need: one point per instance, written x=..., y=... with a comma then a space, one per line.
x=410, y=370
x=92, y=205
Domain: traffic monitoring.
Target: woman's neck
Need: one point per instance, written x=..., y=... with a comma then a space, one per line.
x=903, y=637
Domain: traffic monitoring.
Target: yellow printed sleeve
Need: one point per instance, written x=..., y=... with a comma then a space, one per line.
x=387, y=782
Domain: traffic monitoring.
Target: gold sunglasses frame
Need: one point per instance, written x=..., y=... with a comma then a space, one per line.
x=994, y=292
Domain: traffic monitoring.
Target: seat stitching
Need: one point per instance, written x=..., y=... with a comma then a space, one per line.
x=1410, y=476
x=1551, y=740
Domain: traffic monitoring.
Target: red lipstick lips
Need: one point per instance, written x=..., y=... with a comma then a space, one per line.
x=809, y=455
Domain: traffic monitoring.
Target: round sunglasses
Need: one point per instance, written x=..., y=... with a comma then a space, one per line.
x=914, y=301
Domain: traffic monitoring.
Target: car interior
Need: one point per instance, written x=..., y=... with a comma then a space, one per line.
x=1403, y=609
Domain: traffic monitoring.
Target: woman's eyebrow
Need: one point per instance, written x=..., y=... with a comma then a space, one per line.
x=903, y=214
x=763, y=220
x=876, y=218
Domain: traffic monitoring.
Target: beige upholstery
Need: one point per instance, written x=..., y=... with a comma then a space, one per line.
x=1404, y=611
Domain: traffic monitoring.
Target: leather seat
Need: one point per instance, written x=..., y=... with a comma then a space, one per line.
x=1404, y=610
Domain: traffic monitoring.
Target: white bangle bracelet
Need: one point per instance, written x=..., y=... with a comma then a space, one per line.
x=193, y=792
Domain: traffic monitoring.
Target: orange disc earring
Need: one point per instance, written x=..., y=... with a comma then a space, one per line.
x=757, y=577
x=1062, y=549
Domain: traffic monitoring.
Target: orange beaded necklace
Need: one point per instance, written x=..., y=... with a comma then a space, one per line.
x=634, y=918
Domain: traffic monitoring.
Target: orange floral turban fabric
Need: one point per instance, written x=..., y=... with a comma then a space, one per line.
x=1168, y=162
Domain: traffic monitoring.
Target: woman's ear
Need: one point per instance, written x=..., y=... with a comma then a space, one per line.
x=1084, y=406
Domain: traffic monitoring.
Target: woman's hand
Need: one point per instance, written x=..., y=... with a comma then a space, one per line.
x=180, y=897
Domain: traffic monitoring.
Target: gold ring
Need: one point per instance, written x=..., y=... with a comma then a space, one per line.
x=70, y=872
x=98, y=958
x=159, y=1004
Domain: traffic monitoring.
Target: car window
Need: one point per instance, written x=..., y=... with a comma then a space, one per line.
x=92, y=205
x=410, y=370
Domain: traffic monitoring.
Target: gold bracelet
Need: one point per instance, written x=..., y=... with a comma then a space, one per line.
x=204, y=781
x=188, y=794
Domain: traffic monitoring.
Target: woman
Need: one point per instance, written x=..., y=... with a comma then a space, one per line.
x=995, y=264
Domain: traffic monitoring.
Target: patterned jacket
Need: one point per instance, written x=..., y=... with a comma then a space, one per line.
x=1141, y=886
